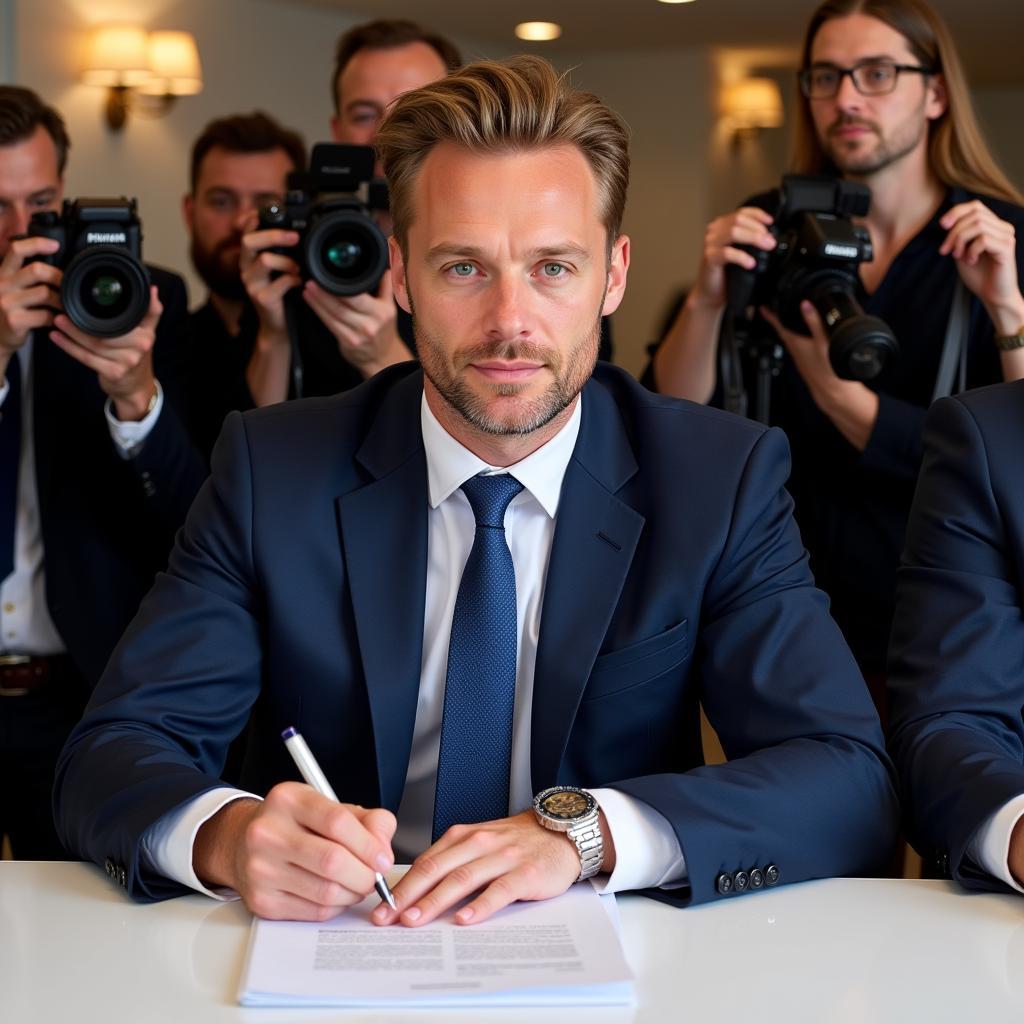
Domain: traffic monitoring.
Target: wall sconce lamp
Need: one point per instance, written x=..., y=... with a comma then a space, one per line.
x=750, y=105
x=132, y=64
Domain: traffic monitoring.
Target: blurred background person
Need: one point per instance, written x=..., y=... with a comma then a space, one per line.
x=884, y=103
x=96, y=474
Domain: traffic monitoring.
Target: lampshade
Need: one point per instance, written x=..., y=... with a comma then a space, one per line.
x=117, y=55
x=174, y=61
x=753, y=103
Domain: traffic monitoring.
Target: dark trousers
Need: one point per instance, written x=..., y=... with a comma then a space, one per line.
x=33, y=728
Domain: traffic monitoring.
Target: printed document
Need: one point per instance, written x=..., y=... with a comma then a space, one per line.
x=559, y=952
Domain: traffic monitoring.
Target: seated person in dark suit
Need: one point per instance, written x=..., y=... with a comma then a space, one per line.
x=956, y=662
x=96, y=474
x=501, y=573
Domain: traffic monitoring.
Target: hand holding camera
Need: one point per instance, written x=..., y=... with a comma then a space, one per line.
x=28, y=292
x=749, y=226
x=324, y=238
x=124, y=365
x=87, y=261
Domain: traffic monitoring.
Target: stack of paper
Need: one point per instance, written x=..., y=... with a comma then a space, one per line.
x=560, y=952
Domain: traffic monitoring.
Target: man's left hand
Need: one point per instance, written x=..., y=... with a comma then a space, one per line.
x=509, y=860
x=365, y=326
x=124, y=364
x=851, y=406
x=985, y=248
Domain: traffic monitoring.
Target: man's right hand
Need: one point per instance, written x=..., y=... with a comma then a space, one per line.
x=28, y=293
x=296, y=856
x=746, y=226
x=258, y=267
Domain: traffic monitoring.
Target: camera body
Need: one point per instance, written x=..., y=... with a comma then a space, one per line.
x=105, y=288
x=818, y=252
x=340, y=246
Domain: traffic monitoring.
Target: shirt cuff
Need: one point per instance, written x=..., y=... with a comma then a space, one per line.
x=167, y=843
x=128, y=435
x=647, y=853
x=990, y=847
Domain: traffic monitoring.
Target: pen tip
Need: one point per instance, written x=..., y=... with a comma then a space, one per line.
x=288, y=733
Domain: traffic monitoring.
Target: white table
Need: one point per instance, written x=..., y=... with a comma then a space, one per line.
x=74, y=950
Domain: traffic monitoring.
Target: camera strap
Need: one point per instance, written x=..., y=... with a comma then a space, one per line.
x=953, y=360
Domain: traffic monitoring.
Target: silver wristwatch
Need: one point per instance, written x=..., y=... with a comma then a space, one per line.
x=574, y=811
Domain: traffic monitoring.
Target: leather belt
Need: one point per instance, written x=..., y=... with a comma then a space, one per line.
x=21, y=674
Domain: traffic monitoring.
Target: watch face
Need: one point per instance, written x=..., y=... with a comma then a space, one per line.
x=566, y=804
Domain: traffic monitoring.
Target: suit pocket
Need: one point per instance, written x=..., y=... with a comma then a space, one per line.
x=638, y=663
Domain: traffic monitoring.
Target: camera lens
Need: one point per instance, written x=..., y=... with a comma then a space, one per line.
x=345, y=252
x=860, y=345
x=343, y=255
x=105, y=291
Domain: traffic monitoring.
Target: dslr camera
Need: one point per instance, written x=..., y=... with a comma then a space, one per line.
x=817, y=257
x=330, y=206
x=105, y=289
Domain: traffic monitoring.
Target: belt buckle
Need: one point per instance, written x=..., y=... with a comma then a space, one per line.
x=10, y=661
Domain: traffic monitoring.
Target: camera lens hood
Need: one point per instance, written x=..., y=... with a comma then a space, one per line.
x=105, y=291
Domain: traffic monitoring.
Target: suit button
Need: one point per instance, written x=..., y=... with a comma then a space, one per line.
x=108, y=866
x=122, y=877
x=756, y=878
x=771, y=875
x=723, y=883
x=741, y=880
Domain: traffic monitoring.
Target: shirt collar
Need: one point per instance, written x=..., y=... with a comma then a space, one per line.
x=450, y=464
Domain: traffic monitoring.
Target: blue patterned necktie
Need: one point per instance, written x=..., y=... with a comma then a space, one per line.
x=10, y=451
x=480, y=689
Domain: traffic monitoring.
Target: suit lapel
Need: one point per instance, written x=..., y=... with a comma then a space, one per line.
x=596, y=534
x=383, y=528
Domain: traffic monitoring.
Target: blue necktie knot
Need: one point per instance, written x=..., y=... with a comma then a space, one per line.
x=490, y=496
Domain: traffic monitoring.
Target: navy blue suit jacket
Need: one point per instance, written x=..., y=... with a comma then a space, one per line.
x=108, y=522
x=956, y=660
x=676, y=577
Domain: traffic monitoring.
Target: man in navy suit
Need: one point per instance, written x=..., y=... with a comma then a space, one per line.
x=96, y=474
x=339, y=572
x=957, y=650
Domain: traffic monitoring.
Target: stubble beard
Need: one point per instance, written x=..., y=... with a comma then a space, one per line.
x=886, y=152
x=570, y=373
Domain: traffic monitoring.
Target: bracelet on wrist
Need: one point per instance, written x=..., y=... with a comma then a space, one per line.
x=1009, y=342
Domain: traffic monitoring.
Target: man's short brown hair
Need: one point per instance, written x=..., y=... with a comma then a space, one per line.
x=386, y=34
x=518, y=104
x=22, y=112
x=247, y=133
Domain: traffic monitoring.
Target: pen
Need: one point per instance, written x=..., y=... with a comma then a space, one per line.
x=312, y=773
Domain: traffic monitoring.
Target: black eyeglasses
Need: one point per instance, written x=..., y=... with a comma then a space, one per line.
x=872, y=78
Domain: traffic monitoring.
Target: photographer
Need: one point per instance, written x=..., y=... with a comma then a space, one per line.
x=238, y=164
x=96, y=473
x=885, y=103
x=375, y=63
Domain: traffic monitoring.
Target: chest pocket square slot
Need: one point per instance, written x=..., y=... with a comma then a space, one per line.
x=639, y=663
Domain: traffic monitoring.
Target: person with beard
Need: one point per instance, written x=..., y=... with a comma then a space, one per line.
x=884, y=101
x=509, y=568
x=239, y=163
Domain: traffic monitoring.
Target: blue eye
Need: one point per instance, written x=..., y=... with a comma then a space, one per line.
x=462, y=269
x=554, y=270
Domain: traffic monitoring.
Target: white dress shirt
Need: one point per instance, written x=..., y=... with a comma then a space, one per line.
x=647, y=852
x=25, y=623
x=990, y=847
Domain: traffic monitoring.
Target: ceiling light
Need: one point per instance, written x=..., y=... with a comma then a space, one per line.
x=538, y=31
